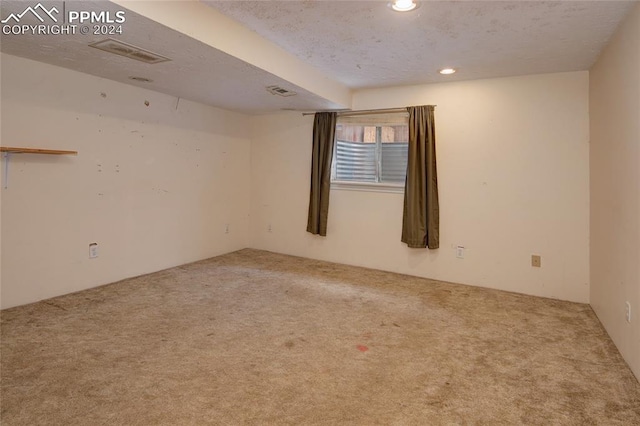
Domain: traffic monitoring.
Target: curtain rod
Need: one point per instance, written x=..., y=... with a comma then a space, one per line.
x=365, y=111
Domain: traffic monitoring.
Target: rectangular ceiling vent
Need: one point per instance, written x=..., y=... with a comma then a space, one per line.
x=129, y=50
x=277, y=90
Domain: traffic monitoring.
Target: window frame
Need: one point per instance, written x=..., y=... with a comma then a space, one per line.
x=367, y=186
x=342, y=185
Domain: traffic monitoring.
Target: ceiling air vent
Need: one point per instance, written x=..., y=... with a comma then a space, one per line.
x=129, y=51
x=277, y=90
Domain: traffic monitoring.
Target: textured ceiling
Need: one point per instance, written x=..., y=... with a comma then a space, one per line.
x=348, y=43
x=196, y=71
x=366, y=44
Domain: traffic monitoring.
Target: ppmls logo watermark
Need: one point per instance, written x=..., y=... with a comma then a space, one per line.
x=41, y=20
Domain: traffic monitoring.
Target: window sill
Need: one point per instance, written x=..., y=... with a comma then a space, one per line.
x=393, y=188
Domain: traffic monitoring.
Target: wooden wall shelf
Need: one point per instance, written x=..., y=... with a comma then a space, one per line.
x=13, y=150
x=8, y=150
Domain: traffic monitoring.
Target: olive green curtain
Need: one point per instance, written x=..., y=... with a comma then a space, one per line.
x=324, y=130
x=421, y=216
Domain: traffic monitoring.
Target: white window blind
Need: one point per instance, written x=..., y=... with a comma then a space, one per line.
x=371, y=148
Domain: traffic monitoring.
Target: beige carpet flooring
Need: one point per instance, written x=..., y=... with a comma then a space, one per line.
x=256, y=338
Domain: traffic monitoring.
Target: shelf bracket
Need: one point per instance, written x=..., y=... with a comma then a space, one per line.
x=7, y=156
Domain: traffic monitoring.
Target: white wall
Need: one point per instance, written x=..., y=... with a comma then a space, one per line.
x=153, y=185
x=513, y=178
x=615, y=188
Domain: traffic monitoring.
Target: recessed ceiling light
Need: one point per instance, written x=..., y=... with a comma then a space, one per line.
x=403, y=5
x=447, y=71
x=141, y=79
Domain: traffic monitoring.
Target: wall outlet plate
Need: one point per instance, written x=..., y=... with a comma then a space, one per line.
x=93, y=250
x=460, y=252
x=536, y=260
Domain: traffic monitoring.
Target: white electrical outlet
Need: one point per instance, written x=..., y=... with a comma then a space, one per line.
x=460, y=252
x=93, y=250
x=627, y=311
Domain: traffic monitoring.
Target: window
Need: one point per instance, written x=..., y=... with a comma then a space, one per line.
x=371, y=150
